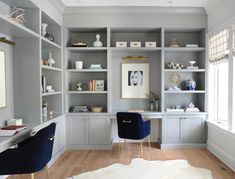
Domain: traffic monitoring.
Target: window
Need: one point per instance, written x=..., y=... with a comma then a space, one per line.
x=219, y=78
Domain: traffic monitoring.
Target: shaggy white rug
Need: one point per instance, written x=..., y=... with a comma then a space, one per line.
x=143, y=169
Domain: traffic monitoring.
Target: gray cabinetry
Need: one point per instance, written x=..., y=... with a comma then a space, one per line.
x=183, y=131
x=59, y=142
x=99, y=130
x=88, y=132
x=77, y=130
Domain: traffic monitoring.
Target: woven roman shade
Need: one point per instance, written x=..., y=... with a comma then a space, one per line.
x=218, y=46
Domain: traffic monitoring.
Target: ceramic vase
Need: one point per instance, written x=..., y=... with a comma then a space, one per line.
x=44, y=29
x=190, y=84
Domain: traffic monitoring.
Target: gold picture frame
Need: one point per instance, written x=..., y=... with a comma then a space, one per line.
x=135, y=80
x=3, y=91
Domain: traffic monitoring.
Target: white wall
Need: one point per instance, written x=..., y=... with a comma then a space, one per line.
x=221, y=142
x=221, y=14
x=8, y=112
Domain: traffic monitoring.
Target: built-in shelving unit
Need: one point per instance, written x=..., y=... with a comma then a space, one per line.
x=52, y=73
x=88, y=55
x=182, y=55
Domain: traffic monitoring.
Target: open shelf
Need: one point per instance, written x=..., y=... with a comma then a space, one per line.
x=49, y=44
x=52, y=93
x=184, y=49
x=184, y=70
x=14, y=29
x=87, y=92
x=51, y=68
x=86, y=49
x=135, y=49
x=87, y=70
x=184, y=92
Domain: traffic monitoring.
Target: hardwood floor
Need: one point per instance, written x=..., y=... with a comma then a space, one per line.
x=75, y=162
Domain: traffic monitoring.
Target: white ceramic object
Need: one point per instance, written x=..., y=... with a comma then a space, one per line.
x=78, y=65
x=44, y=29
x=51, y=61
x=98, y=43
x=192, y=63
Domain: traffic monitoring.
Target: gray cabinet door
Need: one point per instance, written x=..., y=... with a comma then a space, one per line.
x=171, y=130
x=76, y=128
x=99, y=130
x=59, y=141
x=192, y=129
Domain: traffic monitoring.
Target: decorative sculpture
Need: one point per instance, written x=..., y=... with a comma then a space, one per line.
x=17, y=14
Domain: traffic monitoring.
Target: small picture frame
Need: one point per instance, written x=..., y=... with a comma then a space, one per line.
x=99, y=85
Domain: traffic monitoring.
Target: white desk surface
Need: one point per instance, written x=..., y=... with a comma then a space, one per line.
x=6, y=142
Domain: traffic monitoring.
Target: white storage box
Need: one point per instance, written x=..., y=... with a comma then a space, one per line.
x=14, y=122
x=121, y=44
x=135, y=44
x=150, y=44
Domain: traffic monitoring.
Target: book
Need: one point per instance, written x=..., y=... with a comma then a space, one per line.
x=11, y=130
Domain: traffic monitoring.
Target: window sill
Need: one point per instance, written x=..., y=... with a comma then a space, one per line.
x=221, y=127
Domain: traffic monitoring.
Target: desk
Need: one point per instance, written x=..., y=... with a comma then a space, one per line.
x=32, y=128
x=147, y=115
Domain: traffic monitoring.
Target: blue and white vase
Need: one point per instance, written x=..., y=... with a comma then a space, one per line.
x=190, y=84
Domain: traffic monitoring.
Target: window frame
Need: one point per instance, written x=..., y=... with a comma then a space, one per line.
x=231, y=83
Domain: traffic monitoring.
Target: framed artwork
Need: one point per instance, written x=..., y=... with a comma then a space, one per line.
x=99, y=85
x=3, y=100
x=135, y=80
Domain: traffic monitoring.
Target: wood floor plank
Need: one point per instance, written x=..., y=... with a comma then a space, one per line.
x=75, y=162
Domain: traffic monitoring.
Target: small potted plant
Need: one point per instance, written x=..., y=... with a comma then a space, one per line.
x=153, y=99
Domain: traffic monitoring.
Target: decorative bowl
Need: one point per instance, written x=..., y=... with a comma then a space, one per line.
x=97, y=108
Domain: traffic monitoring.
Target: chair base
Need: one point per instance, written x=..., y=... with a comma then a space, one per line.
x=141, y=146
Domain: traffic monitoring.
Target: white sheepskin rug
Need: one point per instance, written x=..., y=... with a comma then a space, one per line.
x=143, y=169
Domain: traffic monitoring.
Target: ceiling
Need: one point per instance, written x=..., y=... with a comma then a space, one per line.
x=157, y=3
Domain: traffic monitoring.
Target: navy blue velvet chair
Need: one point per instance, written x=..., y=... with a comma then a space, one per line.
x=31, y=155
x=132, y=126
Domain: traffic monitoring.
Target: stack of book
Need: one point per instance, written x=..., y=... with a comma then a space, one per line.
x=80, y=109
x=193, y=109
x=11, y=130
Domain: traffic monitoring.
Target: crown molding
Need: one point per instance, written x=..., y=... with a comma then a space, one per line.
x=131, y=9
x=59, y=5
x=212, y=4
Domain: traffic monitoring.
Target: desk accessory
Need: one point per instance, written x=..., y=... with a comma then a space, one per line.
x=16, y=122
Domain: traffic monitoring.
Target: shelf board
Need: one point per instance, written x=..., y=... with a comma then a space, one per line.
x=14, y=29
x=86, y=70
x=52, y=93
x=184, y=70
x=184, y=113
x=185, y=92
x=87, y=92
x=86, y=49
x=86, y=113
x=51, y=68
x=184, y=49
x=49, y=44
x=135, y=49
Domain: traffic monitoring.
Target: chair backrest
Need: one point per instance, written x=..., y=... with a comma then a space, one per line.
x=130, y=125
x=40, y=146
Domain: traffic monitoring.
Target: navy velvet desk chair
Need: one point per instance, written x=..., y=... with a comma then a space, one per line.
x=32, y=155
x=132, y=126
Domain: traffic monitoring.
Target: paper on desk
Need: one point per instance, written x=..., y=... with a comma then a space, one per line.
x=6, y=133
x=10, y=132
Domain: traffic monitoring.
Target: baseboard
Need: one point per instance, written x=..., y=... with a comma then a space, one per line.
x=182, y=146
x=222, y=155
x=56, y=156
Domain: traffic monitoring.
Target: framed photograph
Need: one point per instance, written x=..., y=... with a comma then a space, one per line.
x=135, y=80
x=3, y=98
x=99, y=85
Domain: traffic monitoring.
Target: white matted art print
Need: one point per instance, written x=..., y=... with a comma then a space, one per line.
x=3, y=102
x=135, y=80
